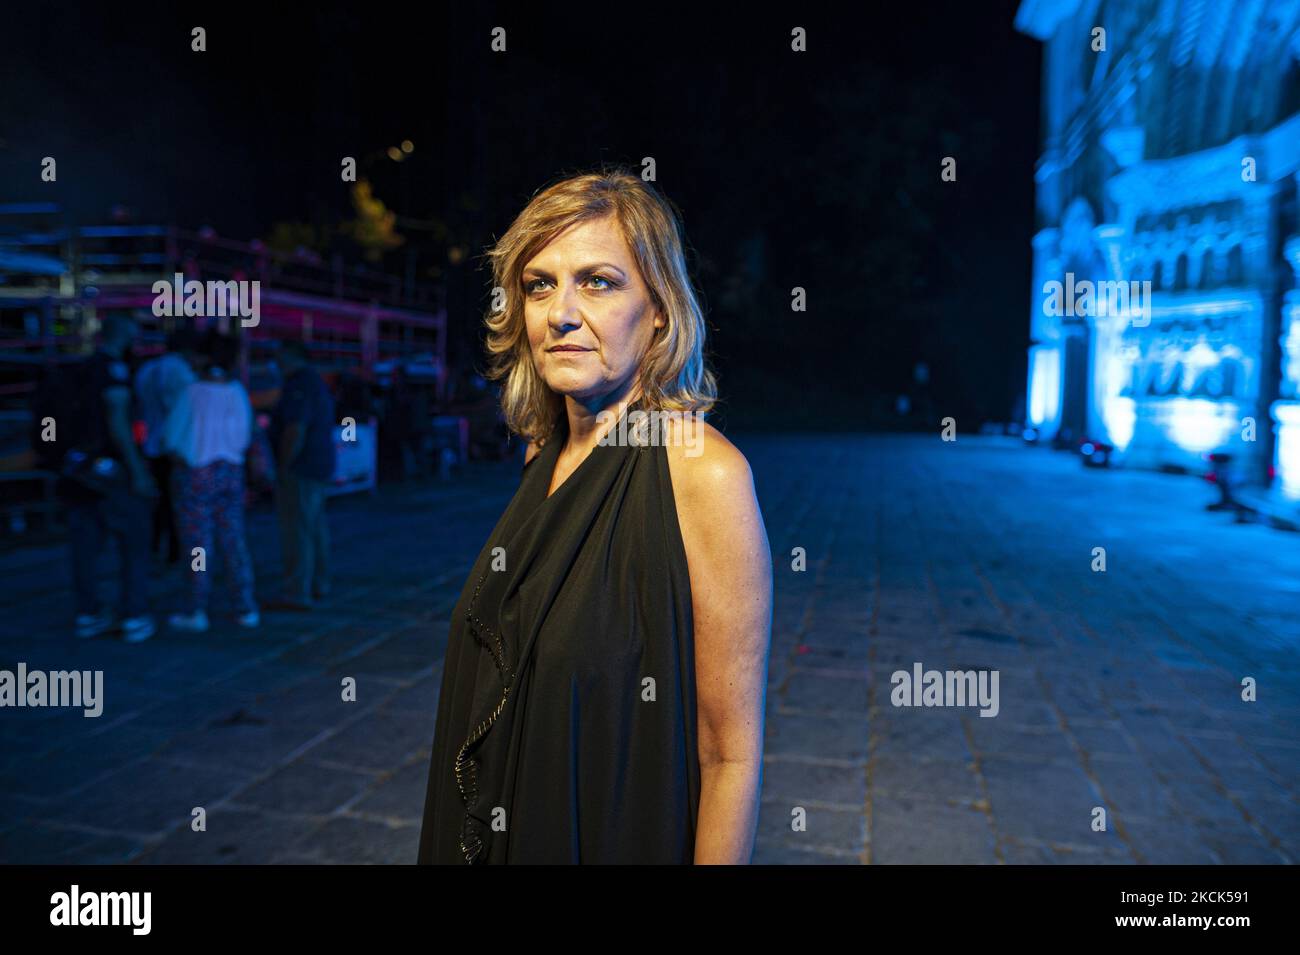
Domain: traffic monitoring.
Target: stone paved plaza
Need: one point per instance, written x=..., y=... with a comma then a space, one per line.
x=1119, y=689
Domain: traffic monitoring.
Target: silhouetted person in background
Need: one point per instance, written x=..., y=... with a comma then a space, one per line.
x=158, y=386
x=305, y=451
x=209, y=431
x=114, y=498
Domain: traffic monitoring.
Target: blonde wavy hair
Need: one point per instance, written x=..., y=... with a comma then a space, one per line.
x=672, y=374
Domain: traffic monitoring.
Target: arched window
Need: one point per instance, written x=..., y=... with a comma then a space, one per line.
x=1180, y=272
x=1207, y=279
x=1158, y=276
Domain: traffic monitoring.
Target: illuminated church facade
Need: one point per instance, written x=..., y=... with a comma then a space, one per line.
x=1165, y=316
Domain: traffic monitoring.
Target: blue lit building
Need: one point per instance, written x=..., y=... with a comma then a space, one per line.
x=1171, y=150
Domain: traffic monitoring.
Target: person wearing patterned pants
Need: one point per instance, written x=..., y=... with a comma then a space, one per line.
x=210, y=504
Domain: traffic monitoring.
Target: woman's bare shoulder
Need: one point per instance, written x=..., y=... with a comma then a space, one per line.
x=727, y=550
x=712, y=480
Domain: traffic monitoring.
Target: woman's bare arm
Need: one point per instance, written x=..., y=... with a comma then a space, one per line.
x=731, y=588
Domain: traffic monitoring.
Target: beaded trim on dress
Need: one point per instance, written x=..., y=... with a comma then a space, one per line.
x=471, y=839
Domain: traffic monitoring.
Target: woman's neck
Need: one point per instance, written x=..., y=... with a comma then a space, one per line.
x=588, y=423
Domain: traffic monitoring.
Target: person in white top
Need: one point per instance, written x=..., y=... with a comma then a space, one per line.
x=208, y=432
x=158, y=384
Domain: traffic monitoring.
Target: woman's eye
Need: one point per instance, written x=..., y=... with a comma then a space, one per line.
x=599, y=282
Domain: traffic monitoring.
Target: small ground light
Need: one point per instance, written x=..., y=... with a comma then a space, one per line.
x=1096, y=454
x=408, y=146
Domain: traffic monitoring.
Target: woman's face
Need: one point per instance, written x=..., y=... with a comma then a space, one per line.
x=589, y=315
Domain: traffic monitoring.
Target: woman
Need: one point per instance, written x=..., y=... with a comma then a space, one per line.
x=209, y=431
x=603, y=689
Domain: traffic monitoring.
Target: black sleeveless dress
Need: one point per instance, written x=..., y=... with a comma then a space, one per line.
x=566, y=726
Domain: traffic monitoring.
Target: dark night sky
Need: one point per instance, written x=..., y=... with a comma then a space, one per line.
x=817, y=169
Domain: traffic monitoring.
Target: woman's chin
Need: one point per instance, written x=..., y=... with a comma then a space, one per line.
x=576, y=387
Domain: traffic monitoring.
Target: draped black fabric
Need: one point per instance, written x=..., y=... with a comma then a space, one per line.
x=566, y=725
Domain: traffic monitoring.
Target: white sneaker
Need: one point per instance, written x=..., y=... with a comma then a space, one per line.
x=249, y=620
x=93, y=624
x=196, y=622
x=137, y=629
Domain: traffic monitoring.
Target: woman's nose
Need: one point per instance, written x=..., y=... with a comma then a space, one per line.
x=564, y=311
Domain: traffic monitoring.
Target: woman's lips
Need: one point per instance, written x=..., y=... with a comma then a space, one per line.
x=567, y=349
